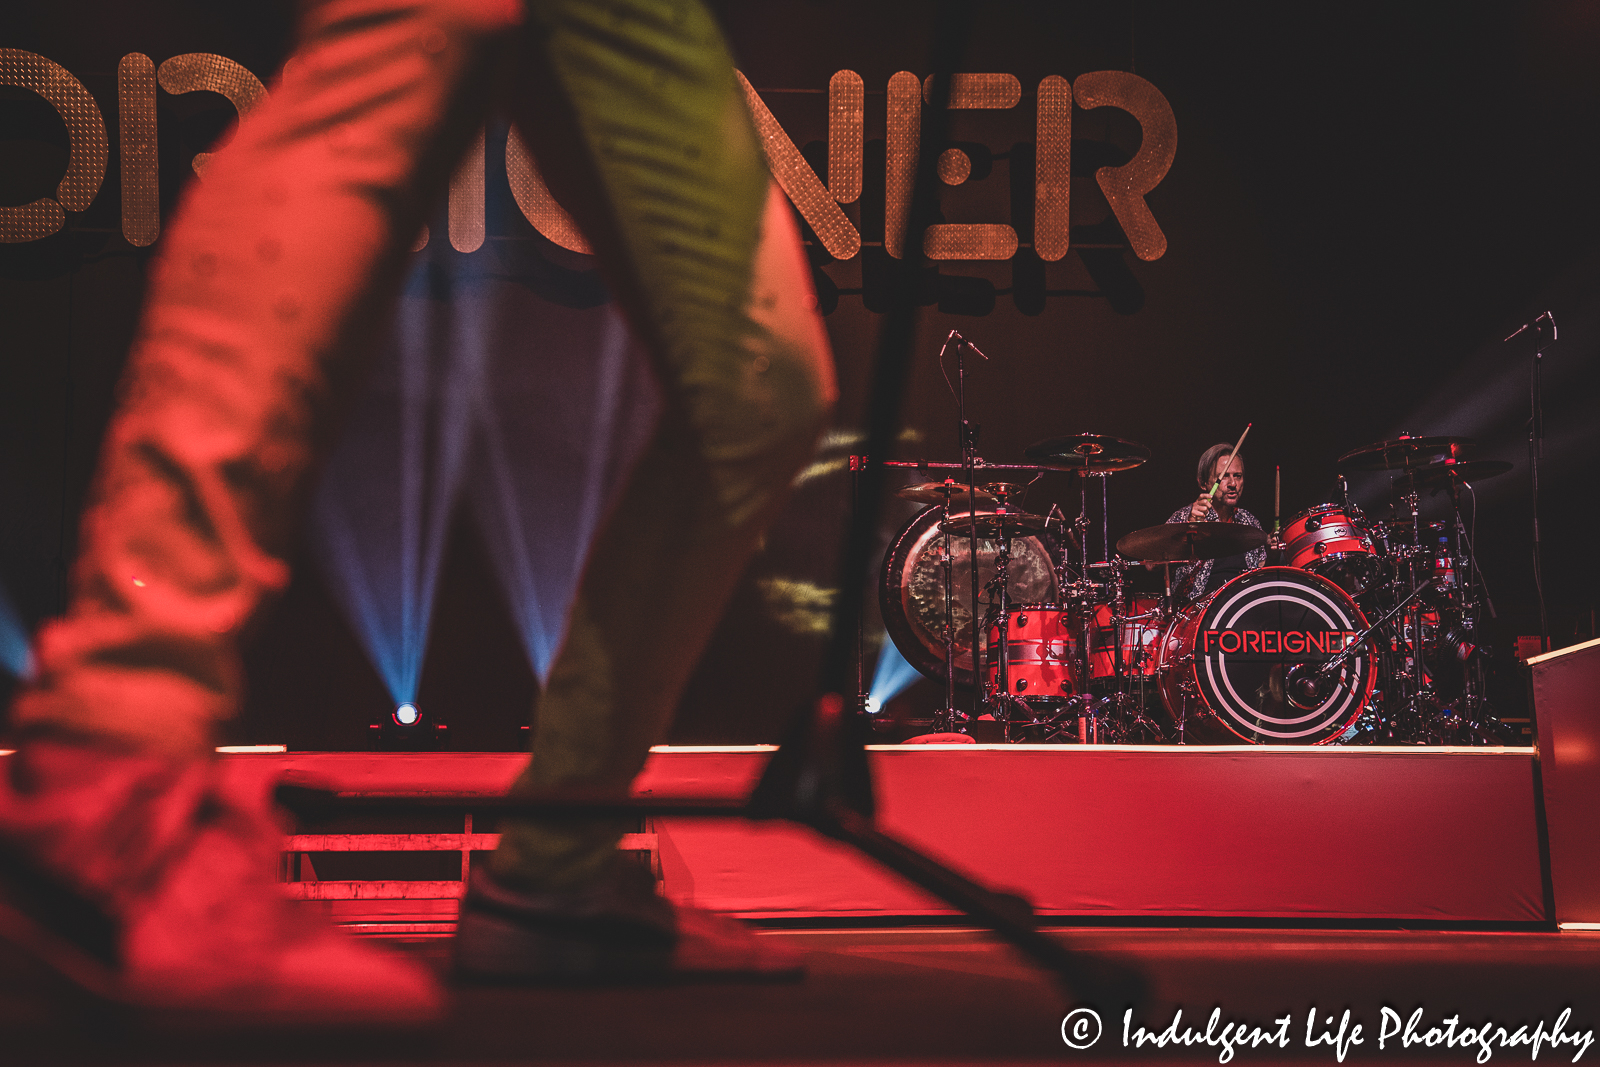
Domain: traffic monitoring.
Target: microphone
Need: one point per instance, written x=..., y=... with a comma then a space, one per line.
x=955, y=335
x=1306, y=687
x=1544, y=331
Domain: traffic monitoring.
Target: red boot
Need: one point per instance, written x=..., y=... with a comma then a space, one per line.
x=151, y=884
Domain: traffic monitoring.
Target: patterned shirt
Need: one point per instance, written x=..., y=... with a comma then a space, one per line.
x=1190, y=579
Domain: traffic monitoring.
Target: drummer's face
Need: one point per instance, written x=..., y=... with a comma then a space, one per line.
x=1232, y=481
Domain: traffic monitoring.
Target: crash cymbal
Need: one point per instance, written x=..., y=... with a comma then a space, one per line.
x=1407, y=452
x=1441, y=475
x=1013, y=523
x=1091, y=453
x=1186, y=541
x=935, y=492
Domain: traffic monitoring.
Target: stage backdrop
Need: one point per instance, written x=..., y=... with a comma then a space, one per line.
x=1321, y=222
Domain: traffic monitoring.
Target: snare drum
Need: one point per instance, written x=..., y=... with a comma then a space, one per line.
x=1227, y=666
x=1141, y=628
x=1042, y=653
x=1325, y=541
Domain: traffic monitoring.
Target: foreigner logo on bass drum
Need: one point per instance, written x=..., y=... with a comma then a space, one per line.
x=1243, y=664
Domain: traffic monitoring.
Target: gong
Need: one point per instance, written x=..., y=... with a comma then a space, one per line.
x=911, y=593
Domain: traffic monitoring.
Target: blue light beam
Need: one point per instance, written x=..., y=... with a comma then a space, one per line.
x=15, y=657
x=382, y=512
x=559, y=431
x=891, y=677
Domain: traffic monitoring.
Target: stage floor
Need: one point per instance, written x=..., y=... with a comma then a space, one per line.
x=954, y=996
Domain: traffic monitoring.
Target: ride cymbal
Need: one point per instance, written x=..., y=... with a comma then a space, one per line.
x=1091, y=453
x=1404, y=453
x=1175, y=542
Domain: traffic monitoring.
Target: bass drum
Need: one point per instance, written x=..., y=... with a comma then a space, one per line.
x=911, y=590
x=1226, y=665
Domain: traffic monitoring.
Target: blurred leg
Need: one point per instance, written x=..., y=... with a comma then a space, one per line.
x=278, y=264
x=638, y=125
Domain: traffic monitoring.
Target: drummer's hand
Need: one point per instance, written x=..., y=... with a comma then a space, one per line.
x=1200, y=508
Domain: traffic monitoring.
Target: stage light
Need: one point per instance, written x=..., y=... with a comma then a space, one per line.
x=892, y=676
x=407, y=714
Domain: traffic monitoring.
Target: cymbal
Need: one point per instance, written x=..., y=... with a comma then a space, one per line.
x=990, y=526
x=1440, y=475
x=1005, y=490
x=1185, y=541
x=1404, y=453
x=935, y=492
x=1091, y=453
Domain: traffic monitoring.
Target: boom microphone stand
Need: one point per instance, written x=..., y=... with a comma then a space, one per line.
x=1542, y=333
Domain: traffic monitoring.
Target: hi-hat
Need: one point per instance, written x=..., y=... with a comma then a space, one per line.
x=1091, y=453
x=1405, y=453
x=1440, y=475
x=960, y=496
x=1011, y=524
x=1176, y=542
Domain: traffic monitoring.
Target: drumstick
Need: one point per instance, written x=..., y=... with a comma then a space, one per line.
x=1218, y=483
x=1277, y=494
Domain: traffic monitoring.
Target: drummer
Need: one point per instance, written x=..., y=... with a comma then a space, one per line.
x=1218, y=466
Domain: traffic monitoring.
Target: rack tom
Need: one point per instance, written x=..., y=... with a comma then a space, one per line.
x=1326, y=541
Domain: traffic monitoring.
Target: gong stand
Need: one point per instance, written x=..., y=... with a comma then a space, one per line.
x=819, y=776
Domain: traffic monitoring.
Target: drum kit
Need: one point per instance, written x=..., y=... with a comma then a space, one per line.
x=1360, y=630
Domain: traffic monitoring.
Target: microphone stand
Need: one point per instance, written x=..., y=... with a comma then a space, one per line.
x=1543, y=336
x=1358, y=642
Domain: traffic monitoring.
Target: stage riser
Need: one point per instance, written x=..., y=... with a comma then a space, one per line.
x=1566, y=698
x=1315, y=834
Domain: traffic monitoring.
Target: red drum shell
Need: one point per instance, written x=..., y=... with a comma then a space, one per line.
x=1042, y=641
x=1224, y=697
x=1326, y=541
x=1141, y=630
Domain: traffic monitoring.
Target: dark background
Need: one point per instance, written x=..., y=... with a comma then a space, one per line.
x=1365, y=199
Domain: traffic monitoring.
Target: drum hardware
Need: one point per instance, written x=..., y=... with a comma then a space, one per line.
x=1078, y=662
x=1002, y=702
x=1307, y=686
x=1432, y=684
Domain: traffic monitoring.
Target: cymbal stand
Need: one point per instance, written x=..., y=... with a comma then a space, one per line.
x=967, y=436
x=1001, y=700
x=1476, y=714
x=1419, y=703
x=946, y=722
